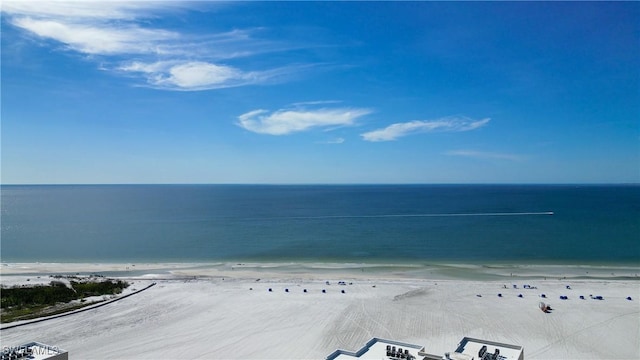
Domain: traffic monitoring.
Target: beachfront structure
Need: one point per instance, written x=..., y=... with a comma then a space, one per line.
x=468, y=349
x=34, y=351
x=377, y=348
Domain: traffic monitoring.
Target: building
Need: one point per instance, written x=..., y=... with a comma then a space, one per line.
x=377, y=348
x=476, y=349
x=34, y=351
x=468, y=349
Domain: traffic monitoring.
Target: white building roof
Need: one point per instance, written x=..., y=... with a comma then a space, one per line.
x=376, y=348
x=470, y=348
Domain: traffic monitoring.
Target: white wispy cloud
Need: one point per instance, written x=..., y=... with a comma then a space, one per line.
x=105, y=10
x=335, y=141
x=318, y=102
x=447, y=124
x=98, y=39
x=484, y=155
x=121, y=37
x=189, y=75
x=201, y=75
x=93, y=27
x=286, y=121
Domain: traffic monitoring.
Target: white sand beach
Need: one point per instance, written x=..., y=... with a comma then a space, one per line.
x=226, y=311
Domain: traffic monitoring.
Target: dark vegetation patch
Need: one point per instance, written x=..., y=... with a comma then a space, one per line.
x=28, y=302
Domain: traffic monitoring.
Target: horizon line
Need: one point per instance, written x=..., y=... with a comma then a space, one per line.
x=335, y=184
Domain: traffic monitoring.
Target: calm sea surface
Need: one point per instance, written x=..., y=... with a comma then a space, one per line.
x=360, y=223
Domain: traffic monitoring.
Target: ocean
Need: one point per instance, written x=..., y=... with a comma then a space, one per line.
x=396, y=224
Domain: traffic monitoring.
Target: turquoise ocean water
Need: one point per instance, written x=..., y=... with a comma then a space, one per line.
x=530, y=224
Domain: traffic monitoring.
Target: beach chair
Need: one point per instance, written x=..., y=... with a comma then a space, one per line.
x=483, y=350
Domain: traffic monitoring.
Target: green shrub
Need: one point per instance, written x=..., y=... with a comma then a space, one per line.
x=56, y=292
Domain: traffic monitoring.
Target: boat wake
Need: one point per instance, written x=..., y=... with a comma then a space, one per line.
x=543, y=213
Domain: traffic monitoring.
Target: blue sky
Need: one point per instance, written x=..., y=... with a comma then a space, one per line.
x=320, y=92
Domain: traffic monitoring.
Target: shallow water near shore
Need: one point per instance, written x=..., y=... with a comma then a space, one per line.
x=323, y=270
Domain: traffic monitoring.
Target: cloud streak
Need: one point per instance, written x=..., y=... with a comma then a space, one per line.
x=335, y=141
x=447, y=124
x=199, y=75
x=98, y=40
x=119, y=37
x=484, y=155
x=287, y=121
x=97, y=10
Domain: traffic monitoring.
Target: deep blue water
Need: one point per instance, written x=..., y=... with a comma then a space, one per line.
x=349, y=223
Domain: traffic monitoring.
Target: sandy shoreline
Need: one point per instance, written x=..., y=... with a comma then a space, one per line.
x=223, y=311
x=451, y=271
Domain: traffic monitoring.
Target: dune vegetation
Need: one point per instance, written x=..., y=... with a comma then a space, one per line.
x=27, y=302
